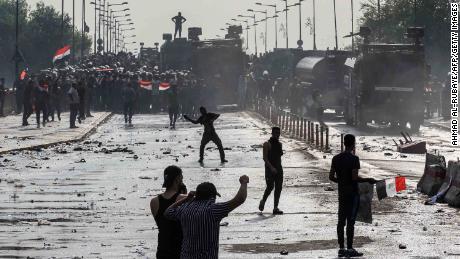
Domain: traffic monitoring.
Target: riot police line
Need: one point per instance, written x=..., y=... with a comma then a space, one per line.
x=99, y=81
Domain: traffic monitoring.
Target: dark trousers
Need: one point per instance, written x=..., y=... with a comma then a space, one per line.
x=173, y=111
x=207, y=137
x=55, y=107
x=27, y=112
x=81, y=110
x=128, y=111
x=41, y=108
x=73, y=113
x=89, y=100
x=348, y=209
x=273, y=181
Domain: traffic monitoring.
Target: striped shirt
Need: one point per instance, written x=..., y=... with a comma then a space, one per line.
x=200, y=221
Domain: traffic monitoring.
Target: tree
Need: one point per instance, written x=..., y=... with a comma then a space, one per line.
x=40, y=35
x=397, y=15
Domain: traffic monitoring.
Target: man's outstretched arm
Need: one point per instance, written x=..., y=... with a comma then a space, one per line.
x=191, y=120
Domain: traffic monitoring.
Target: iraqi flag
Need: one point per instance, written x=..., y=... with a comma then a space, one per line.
x=146, y=84
x=61, y=53
x=389, y=187
x=164, y=86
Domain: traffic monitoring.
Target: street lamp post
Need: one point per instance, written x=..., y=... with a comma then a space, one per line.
x=352, y=29
x=73, y=31
x=335, y=23
x=266, y=24
x=300, y=42
x=287, y=34
x=255, y=29
x=16, y=46
x=314, y=25
x=276, y=20
x=95, y=24
x=62, y=23
x=83, y=31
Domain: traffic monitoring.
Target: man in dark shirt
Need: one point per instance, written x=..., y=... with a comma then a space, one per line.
x=200, y=216
x=178, y=21
x=344, y=171
x=129, y=98
x=173, y=107
x=272, y=152
x=207, y=120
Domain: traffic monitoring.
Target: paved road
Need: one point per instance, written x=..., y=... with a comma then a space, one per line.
x=14, y=136
x=82, y=200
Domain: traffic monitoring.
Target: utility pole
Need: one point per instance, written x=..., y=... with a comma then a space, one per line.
x=335, y=22
x=95, y=24
x=287, y=34
x=62, y=24
x=73, y=32
x=16, y=47
x=352, y=29
x=379, y=32
x=300, y=42
x=83, y=31
x=314, y=25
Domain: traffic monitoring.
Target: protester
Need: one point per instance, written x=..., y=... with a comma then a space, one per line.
x=173, y=107
x=344, y=171
x=169, y=231
x=129, y=98
x=200, y=216
x=27, y=102
x=74, y=101
x=207, y=120
x=40, y=104
x=272, y=152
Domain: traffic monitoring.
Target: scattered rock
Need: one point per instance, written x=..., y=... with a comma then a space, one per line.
x=402, y=246
x=122, y=198
x=328, y=189
x=43, y=222
x=166, y=152
x=135, y=157
x=81, y=161
x=19, y=185
x=388, y=154
x=78, y=149
x=145, y=177
x=224, y=224
x=215, y=170
x=284, y=252
x=425, y=228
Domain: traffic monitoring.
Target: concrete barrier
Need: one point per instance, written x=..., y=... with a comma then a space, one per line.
x=433, y=176
x=452, y=196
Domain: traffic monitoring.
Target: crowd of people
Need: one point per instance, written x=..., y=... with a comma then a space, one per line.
x=114, y=83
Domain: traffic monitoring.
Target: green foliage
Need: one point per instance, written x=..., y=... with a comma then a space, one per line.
x=397, y=15
x=39, y=35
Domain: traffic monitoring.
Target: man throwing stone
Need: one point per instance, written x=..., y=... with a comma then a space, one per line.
x=272, y=152
x=207, y=120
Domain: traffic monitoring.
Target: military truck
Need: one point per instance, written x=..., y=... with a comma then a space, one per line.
x=386, y=82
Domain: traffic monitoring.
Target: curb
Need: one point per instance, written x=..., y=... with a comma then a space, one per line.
x=80, y=137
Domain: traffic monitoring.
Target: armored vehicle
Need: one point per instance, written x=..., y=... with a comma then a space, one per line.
x=386, y=83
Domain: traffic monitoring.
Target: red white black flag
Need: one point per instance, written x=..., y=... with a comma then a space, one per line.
x=164, y=86
x=61, y=53
x=145, y=84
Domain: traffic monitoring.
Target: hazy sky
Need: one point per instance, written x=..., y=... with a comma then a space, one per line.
x=152, y=18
